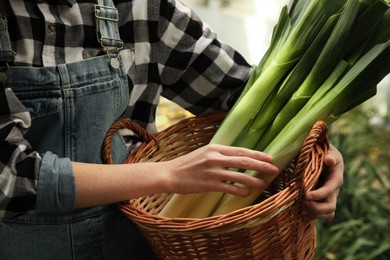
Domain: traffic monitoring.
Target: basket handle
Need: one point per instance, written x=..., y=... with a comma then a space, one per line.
x=118, y=125
x=310, y=164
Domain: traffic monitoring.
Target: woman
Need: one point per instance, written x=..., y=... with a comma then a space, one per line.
x=77, y=67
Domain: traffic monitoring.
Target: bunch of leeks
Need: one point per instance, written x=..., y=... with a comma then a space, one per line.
x=325, y=58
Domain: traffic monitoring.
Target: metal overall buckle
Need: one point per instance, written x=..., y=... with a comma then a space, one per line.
x=111, y=45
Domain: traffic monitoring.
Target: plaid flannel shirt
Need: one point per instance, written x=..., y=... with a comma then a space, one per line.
x=176, y=56
x=18, y=164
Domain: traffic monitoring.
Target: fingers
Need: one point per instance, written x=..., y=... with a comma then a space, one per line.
x=323, y=209
x=332, y=184
x=334, y=159
x=214, y=167
x=321, y=203
x=240, y=158
x=241, y=152
x=326, y=216
x=236, y=190
x=244, y=180
x=222, y=158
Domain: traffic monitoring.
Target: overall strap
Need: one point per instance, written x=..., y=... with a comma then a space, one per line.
x=11, y=109
x=6, y=53
x=107, y=17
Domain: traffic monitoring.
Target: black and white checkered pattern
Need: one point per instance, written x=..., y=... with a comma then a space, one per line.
x=18, y=165
x=173, y=54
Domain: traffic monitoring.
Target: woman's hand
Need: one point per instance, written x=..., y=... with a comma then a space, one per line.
x=321, y=202
x=207, y=169
x=203, y=170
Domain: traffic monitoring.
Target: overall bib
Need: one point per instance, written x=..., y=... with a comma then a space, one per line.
x=72, y=106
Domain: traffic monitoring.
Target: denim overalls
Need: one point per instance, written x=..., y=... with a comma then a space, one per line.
x=72, y=106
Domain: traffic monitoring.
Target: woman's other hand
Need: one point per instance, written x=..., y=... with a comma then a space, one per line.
x=321, y=202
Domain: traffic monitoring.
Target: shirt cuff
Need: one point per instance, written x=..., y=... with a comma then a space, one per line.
x=56, y=191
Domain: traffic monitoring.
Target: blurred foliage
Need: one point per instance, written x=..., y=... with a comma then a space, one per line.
x=361, y=227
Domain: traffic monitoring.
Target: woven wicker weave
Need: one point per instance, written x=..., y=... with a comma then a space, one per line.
x=273, y=228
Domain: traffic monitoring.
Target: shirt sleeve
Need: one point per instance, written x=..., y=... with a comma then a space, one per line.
x=197, y=71
x=29, y=181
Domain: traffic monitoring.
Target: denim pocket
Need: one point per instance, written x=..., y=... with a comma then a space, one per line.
x=40, y=102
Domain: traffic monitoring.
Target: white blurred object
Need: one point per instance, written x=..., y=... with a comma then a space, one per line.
x=245, y=25
x=381, y=102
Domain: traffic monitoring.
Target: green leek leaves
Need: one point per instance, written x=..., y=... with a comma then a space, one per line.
x=325, y=58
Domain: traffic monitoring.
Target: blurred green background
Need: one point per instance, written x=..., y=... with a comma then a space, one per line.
x=361, y=227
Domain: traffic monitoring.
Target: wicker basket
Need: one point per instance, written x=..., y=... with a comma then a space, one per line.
x=273, y=228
